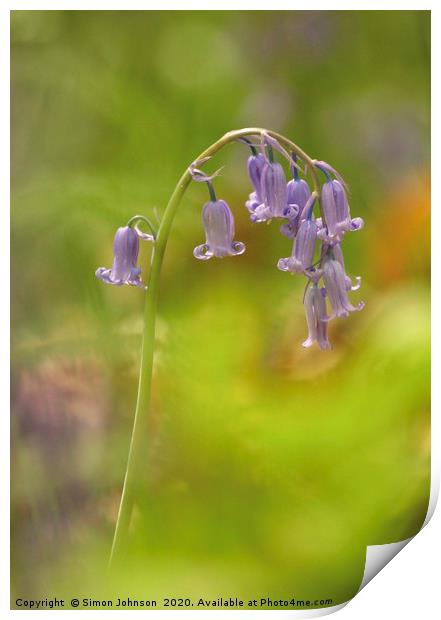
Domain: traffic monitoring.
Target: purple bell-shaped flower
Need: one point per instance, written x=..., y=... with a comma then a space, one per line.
x=316, y=317
x=336, y=288
x=124, y=269
x=298, y=194
x=303, y=248
x=335, y=208
x=219, y=232
x=273, y=190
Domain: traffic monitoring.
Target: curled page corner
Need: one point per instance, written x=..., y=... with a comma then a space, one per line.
x=377, y=556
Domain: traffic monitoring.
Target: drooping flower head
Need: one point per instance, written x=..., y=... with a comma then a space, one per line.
x=272, y=197
x=124, y=269
x=218, y=223
x=316, y=317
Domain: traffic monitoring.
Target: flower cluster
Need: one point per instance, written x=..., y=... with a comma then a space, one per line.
x=273, y=197
x=316, y=241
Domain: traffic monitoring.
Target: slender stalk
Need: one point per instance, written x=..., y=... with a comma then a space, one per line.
x=139, y=433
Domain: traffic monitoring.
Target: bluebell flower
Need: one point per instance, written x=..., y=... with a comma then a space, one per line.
x=298, y=194
x=273, y=190
x=273, y=194
x=316, y=317
x=329, y=208
x=124, y=269
x=336, y=287
x=219, y=232
x=336, y=213
x=335, y=207
x=303, y=249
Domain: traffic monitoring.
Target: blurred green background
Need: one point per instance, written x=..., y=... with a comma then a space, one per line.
x=270, y=467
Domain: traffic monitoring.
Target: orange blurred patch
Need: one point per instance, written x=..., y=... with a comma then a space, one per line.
x=400, y=236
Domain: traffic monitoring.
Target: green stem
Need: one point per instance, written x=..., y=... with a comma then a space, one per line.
x=137, y=452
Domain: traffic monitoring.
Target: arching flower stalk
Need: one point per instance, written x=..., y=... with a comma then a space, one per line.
x=272, y=197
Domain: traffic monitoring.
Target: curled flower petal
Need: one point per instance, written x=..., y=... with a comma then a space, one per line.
x=291, y=227
x=291, y=211
x=202, y=252
x=104, y=274
x=252, y=203
x=238, y=248
x=357, y=223
x=262, y=213
x=291, y=264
